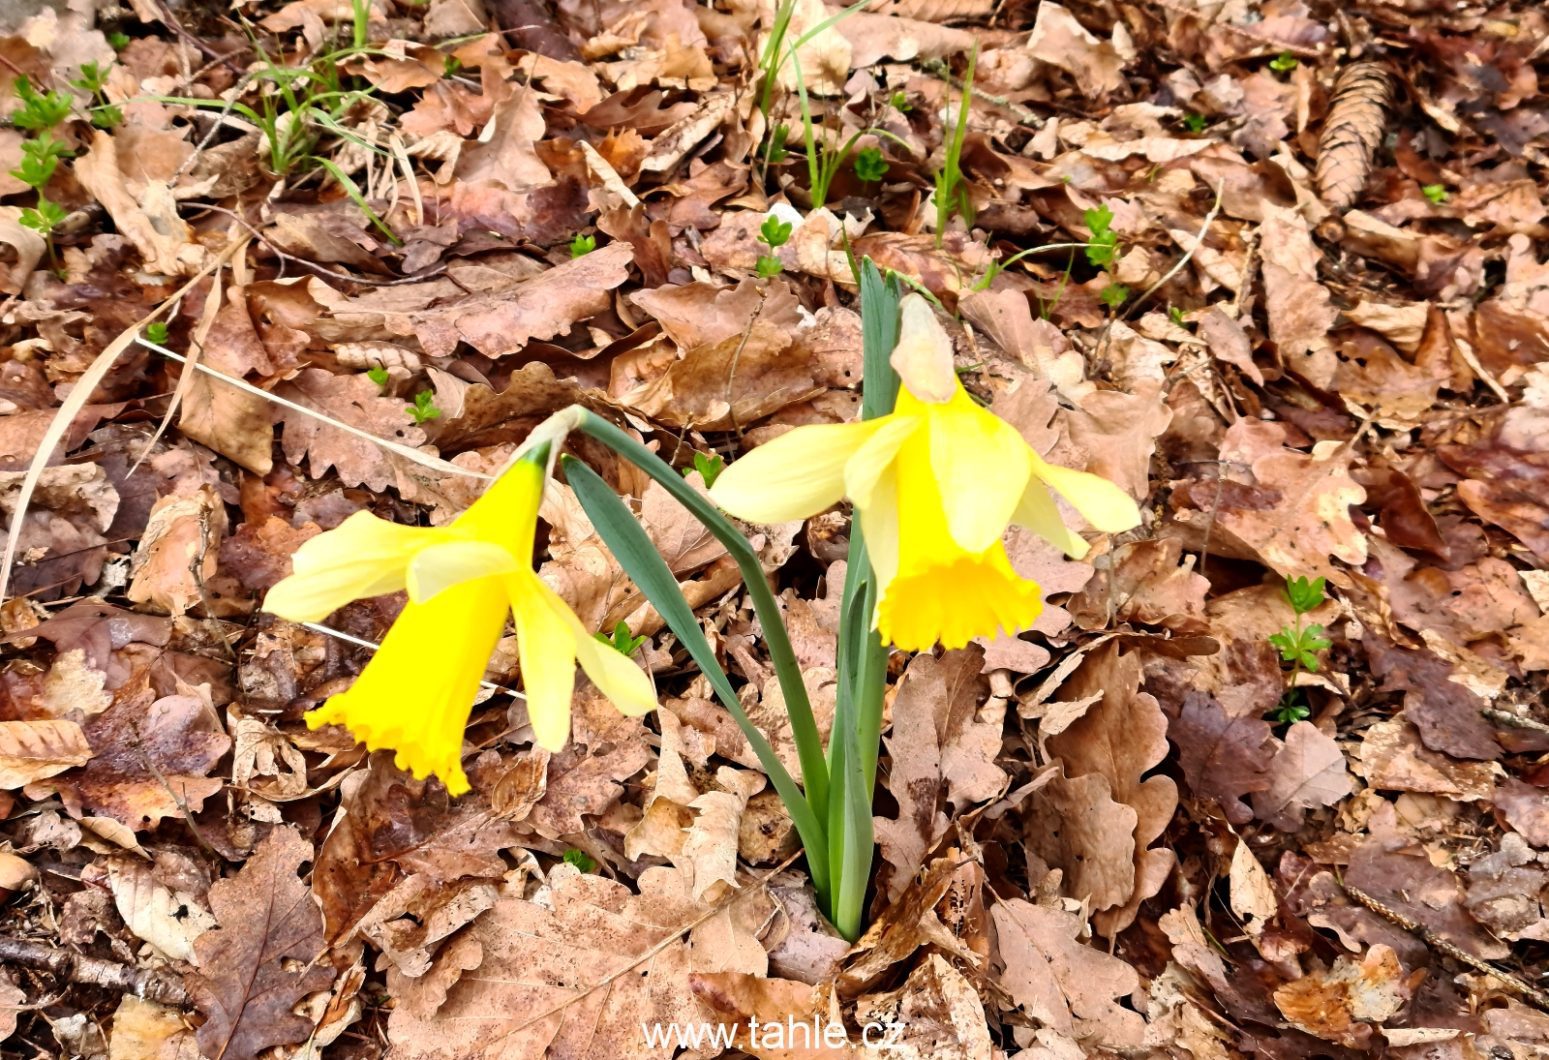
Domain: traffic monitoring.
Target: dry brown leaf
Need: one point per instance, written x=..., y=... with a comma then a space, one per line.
x=1392, y=758
x=1341, y=1004
x=505, y=153
x=1224, y=758
x=1062, y=983
x=1078, y=826
x=1122, y=737
x=143, y=211
x=874, y=37
x=178, y=551
x=145, y=1030
x=532, y=994
x=746, y=1002
x=1059, y=40
x=33, y=750
x=259, y=961
x=1526, y=809
x=1356, y=123
x=233, y=422
x=171, y=921
x=935, y=1015
x=1308, y=772
x=1300, y=309
x=355, y=400
x=29, y=247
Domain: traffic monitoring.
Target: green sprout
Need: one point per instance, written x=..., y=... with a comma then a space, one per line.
x=1436, y=193
x=774, y=232
x=1103, y=246
x=1284, y=63
x=900, y=102
x=1175, y=314
x=93, y=79
x=870, y=166
x=118, y=40
x=45, y=217
x=377, y=374
x=40, y=157
x=156, y=331
x=451, y=66
x=709, y=466
x=39, y=111
x=580, y=859
x=423, y=408
x=621, y=640
x=1195, y=123
x=1114, y=295
x=1300, y=644
x=582, y=245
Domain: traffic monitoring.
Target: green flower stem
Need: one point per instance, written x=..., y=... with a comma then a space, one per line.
x=804, y=728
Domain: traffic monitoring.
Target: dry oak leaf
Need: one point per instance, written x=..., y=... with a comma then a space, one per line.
x=508, y=306
x=1526, y=808
x=1308, y=772
x=355, y=400
x=257, y=964
x=1223, y=758
x=152, y=758
x=536, y=991
x=178, y=551
x=146, y=214
x=1068, y=986
x=1077, y=825
x=1357, y=120
x=171, y=921
x=935, y=1015
x=1059, y=40
x=33, y=750
x=235, y=423
x=1298, y=515
x=1341, y=1004
x=739, y=998
x=1122, y=737
x=1300, y=308
x=146, y=1030
x=1392, y=758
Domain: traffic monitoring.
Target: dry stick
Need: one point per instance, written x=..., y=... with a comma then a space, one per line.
x=1199, y=241
x=93, y=971
x=76, y=401
x=435, y=463
x=1521, y=987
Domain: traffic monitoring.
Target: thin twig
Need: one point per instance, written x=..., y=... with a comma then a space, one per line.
x=1199, y=241
x=1521, y=987
x=93, y=971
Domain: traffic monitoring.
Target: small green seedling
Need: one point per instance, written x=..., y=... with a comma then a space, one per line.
x=1284, y=63
x=709, y=466
x=43, y=218
x=621, y=641
x=118, y=40
x=1195, y=123
x=1175, y=314
x=1114, y=295
x=378, y=375
x=580, y=859
x=1103, y=246
x=582, y=245
x=900, y=102
x=39, y=111
x=156, y=331
x=423, y=409
x=1436, y=193
x=451, y=66
x=870, y=166
x=1299, y=645
x=773, y=233
x=93, y=79
x=40, y=157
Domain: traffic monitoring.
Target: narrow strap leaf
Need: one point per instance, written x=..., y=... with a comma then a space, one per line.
x=624, y=536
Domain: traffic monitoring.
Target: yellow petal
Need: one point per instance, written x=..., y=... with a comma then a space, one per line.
x=981, y=464
x=546, y=644
x=507, y=511
x=1101, y=503
x=792, y=477
x=879, y=525
x=923, y=356
x=1038, y=513
x=363, y=556
x=615, y=674
x=416, y=693
x=873, y=460
x=441, y=566
x=952, y=601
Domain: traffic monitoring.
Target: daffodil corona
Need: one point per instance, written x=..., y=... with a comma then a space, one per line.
x=936, y=484
x=416, y=693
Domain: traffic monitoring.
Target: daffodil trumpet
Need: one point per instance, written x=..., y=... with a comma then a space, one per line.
x=464, y=579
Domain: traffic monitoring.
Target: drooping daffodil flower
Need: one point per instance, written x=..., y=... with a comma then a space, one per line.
x=416, y=693
x=936, y=483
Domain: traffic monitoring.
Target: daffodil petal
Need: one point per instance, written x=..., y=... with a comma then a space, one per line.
x=1038, y=513
x=874, y=460
x=416, y=693
x=794, y=476
x=441, y=566
x=616, y=676
x=1100, y=502
x=507, y=511
x=363, y=556
x=879, y=526
x=980, y=463
x=546, y=644
x=952, y=601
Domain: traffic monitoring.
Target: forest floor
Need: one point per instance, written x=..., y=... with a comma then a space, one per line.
x=1282, y=282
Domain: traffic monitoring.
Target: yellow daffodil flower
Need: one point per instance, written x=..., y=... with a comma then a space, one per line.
x=416, y=693
x=936, y=483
